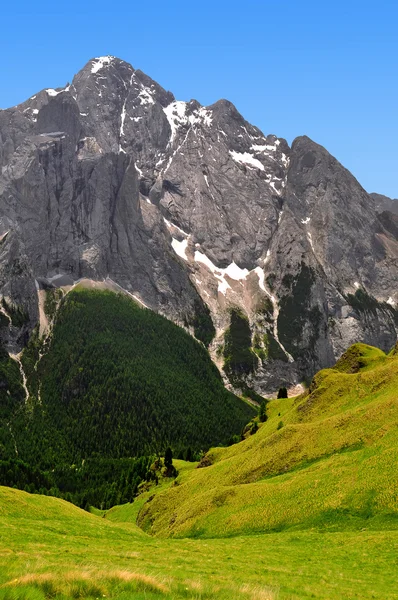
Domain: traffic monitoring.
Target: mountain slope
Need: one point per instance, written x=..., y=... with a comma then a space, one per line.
x=185, y=207
x=118, y=380
x=324, y=459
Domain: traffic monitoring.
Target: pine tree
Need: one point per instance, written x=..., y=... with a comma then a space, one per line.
x=168, y=458
x=262, y=413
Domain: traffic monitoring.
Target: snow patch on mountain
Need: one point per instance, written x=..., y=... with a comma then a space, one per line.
x=203, y=115
x=100, y=62
x=285, y=160
x=176, y=113
x=180, y=248
x=272, y=184
x=263, y=148
x=233, y=271
x=52, y=92
x=260, y=274
x=145, y=96
x=122, y=120
x=172, y=226
x=246, y=159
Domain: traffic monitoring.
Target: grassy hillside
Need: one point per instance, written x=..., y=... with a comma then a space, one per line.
x=51, y=550
x=118, y=380
x=304, y=508
x=324, y=460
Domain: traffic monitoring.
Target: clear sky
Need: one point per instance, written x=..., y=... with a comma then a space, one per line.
x=324, y=68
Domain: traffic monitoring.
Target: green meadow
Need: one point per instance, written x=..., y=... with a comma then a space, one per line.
x=51, y=549
x=304, y=508
x=325, y=460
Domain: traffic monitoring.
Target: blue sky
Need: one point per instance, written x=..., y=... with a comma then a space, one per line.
x=324, y=68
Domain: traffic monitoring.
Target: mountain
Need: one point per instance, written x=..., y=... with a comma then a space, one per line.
x=189, y=209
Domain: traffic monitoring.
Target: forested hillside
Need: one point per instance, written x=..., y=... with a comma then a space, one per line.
x=119, y=380
x=112, y=381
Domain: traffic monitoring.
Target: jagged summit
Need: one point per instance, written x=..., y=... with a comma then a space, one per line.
x=100, y=65
x=383, y=203
x=99, y=62
x=192, y=208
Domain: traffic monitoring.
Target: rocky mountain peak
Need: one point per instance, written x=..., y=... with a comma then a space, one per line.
x=384, y=203
x=193, y=209
x=105, y=71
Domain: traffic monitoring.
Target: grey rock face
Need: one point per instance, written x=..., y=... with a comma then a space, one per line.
x=184, y=205
x=384, y=203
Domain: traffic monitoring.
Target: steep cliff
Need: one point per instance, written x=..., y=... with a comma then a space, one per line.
x=191, y=209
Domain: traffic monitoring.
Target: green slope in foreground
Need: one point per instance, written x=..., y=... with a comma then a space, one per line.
x=318, y=496
x=326, y=460
x=50, y=549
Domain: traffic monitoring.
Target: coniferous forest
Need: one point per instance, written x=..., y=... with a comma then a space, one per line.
x=110, y=390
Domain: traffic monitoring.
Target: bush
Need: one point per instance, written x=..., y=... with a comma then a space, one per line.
x=168, y=458
x=254, y=428
x=262, y=411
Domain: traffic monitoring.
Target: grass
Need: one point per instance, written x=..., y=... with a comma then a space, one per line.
x=51, y=549
x=307, y=511
x=329, y=467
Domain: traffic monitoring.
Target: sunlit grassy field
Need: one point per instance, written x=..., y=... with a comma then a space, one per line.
x=331, y=465
x=51, y=549
x=306, y=510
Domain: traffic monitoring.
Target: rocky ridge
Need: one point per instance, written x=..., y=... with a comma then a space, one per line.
x=190, y=209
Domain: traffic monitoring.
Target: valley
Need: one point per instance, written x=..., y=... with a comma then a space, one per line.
x=306, y=509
